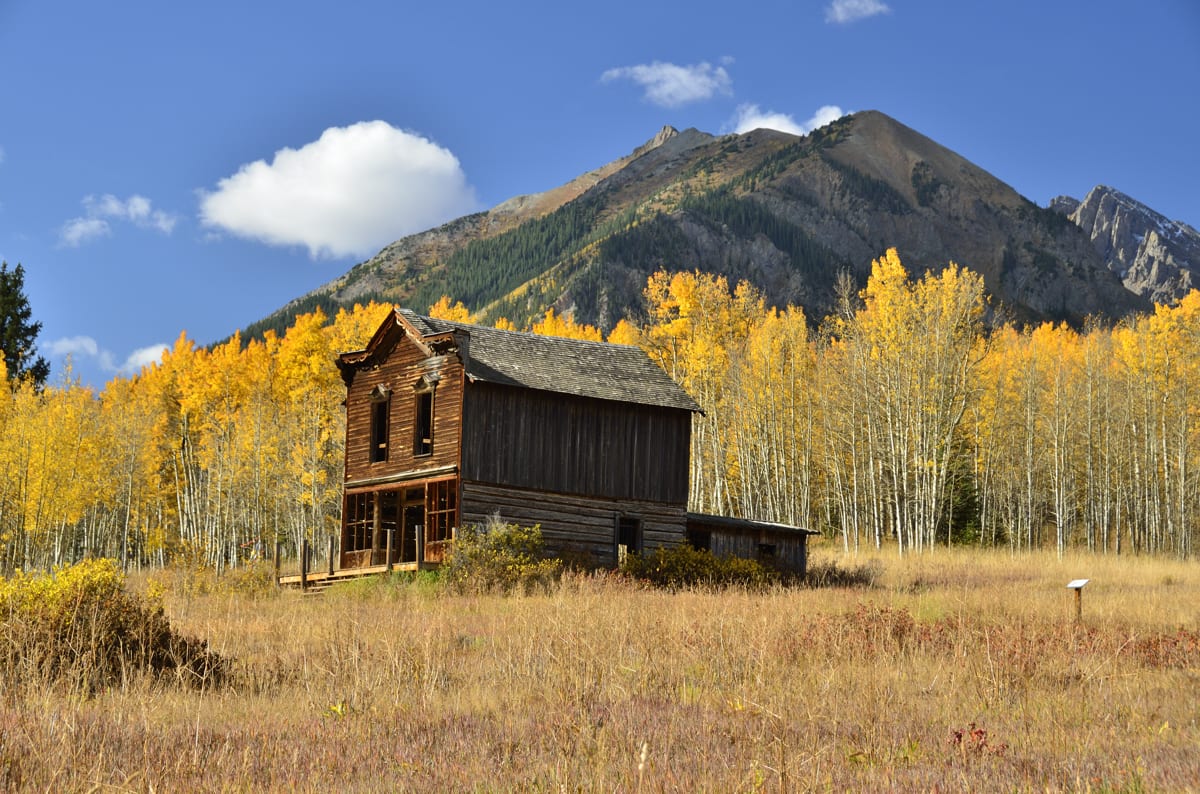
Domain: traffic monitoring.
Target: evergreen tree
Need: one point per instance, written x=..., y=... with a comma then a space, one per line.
x=17, y=333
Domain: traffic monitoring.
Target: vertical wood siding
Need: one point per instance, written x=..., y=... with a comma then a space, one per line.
x=574, y=445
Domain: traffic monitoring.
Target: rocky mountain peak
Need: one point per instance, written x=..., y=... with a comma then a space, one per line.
x=1155, y=257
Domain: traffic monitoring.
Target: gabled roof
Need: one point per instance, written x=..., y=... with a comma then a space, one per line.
x=622, y=373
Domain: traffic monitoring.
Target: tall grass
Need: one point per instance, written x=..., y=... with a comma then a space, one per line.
x=954, y=671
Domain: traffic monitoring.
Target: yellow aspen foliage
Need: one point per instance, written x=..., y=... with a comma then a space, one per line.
x=504, y=324
x=625, y=333
x=351, y=329
x=456, y=313
x=555, y=325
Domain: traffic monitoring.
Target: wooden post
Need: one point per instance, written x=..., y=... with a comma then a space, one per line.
x=331, y=555
x=276, y=562
x=420, y=545
x=390, y=532
x=1077, y=585
x=303, y=565
x=377, y=528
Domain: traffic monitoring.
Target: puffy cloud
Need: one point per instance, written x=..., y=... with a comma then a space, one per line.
x=100, y=210
x=750, y=117
x=349, y=193
x=843, y=12
x=670, y=85
x=85, y=347
x=78, y=231
x=142, y=357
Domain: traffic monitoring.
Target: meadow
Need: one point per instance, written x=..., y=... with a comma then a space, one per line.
x=954, y=671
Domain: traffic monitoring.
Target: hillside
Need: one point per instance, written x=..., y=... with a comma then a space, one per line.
x=784, y=212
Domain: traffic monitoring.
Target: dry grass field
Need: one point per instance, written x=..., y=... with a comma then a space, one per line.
x=957, y=671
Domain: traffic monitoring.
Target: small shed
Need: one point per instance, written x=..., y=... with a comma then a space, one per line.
x=781, y=546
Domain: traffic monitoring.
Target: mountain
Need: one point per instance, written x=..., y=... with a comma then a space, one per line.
x=787, y=213
x=1154, y=257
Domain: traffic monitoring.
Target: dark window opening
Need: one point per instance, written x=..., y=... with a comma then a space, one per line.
x=629, y=537
x=379, y=430
x=423, y=424
x=767, y=551
x=699, y=539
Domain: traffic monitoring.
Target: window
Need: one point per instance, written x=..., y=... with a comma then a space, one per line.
x=767, y=551
x=381, y=406
x=359, y=512
x=441, y=510
x=699, y=539
x=423, y=424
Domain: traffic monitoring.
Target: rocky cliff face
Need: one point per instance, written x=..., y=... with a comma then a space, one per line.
x=1153, y=256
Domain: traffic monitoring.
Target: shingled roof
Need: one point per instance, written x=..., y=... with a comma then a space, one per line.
x=565, y=366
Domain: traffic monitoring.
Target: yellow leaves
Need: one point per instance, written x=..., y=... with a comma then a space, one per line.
x=624, y=333
x=456, y=313
x=554, y=325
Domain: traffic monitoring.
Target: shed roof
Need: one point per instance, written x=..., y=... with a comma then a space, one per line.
x=600, y=370
x=744, y=525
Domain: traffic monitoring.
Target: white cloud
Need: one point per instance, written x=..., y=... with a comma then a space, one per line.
x=85, y=347
x=99, y=210
x=77, y=231
x=142, y=357
x=670, y=85
x=843, y=12
x=750, y=117
x=351, y=192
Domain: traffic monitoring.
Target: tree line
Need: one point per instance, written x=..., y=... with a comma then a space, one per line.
x=899, y=419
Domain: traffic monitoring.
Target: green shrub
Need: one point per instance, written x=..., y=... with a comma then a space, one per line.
x=684, y=566
x=80, y=626
x=500, y=557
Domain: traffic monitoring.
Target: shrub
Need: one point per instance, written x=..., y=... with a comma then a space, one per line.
x=684, y=566
x=827, y=573
x=80, y=626
x=500, y=557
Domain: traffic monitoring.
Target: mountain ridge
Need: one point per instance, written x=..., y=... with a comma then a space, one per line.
x=788, y=213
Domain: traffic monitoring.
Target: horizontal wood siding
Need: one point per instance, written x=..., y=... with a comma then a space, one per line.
x=399, y=365
x=573, y=526
x=527, y=438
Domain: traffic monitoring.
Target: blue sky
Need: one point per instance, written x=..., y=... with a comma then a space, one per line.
x=168, y=167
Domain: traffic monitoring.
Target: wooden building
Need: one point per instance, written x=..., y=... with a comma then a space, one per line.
x=448, y=424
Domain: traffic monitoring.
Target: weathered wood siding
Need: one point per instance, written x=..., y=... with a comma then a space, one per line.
x=399, y=364
x=527, y=438
x=791, y=550
x=573, y=526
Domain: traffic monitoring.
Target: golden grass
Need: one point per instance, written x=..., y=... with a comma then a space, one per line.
x=962, y=671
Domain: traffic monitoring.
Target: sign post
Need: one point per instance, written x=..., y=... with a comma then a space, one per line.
x=1077, y=586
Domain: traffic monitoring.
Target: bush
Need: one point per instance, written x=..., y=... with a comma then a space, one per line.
x=80, y=626
x=829, y=574
x=500, y=557
x=684, y=566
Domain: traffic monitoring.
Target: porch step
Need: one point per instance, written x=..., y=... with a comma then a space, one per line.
x=318, y=581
